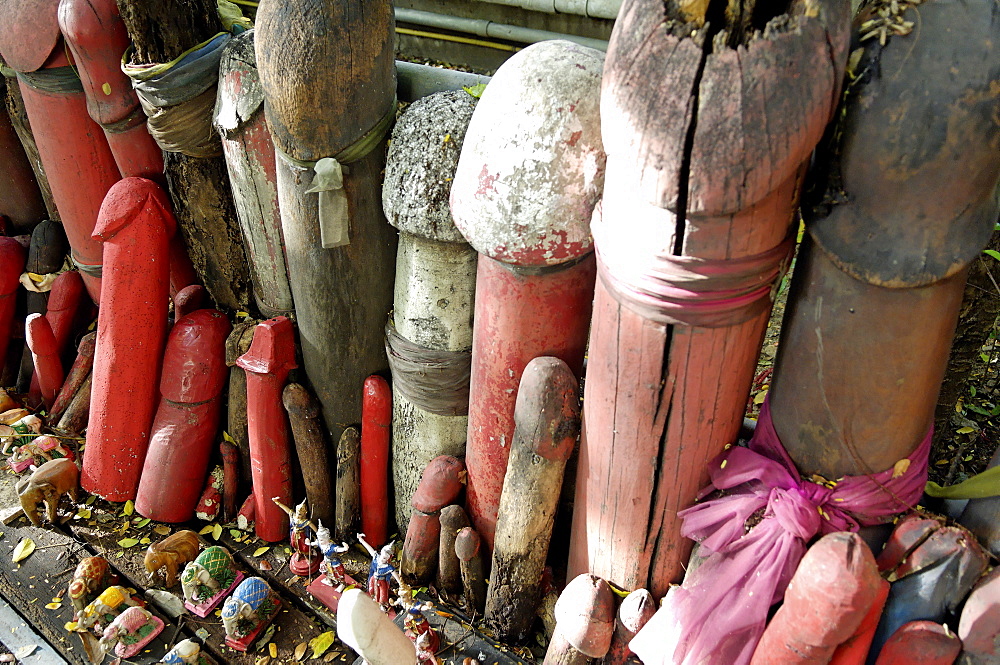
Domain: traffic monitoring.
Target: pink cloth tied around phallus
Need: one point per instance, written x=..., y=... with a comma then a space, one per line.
x=718, y=615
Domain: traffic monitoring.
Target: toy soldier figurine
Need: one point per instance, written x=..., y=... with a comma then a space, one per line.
x=380, y=572
x=332, y=567
x=304, y=562
x=416, y=626
x=426, y=647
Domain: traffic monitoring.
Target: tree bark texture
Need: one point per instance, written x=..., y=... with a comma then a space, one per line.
x=199, y=187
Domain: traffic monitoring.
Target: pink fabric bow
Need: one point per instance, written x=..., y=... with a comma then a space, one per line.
x=718, y=615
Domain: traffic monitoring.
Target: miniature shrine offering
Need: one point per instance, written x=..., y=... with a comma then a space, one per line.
x=208, y=579
x=186, y=652
x=171, y=553
x=103, y=610
x=379, y=574
x=328, y=587
x=131, y=631
x=304, y=561
x=251, y=607
x=23, y=428
x=91, y=574
x=39, y=450
x=47, y=484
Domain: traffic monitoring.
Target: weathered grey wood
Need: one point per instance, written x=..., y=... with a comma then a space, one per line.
x=341, y=295
x=348, y=502
x=449, y=576
x=547, y=424
x=307, y=430
x=246, y=142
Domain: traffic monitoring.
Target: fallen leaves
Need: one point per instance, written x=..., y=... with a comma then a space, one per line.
x=23, y=549
x=321, y=643
x=128, y=542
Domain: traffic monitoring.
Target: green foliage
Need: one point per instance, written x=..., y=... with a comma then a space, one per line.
x=477, y=91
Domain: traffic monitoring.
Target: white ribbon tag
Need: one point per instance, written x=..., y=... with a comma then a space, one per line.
x=334, y=220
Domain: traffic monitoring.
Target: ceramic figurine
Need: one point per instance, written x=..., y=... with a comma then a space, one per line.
x=328, y=587
x=208, y=579
x=130, y=631
x=171, y=552
x=332, y=567
x=380, y=572
x=418, y=628
x=103, y=610
x=251, y=607
x=44, y=448
x=186, y=652
x=25, y=429
x=47, y=484
x=305, y=561
x=91, y=574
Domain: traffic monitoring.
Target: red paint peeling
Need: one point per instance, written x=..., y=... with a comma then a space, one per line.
x=486, y=181
x=574, y=137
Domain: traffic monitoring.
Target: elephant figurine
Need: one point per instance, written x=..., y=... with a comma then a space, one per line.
x=91, y=574
x=171, y=553
x=211, y=572
x=251, y=606
x=103, y=610
x=47, y=484
x=130, y=631
x=186, y=652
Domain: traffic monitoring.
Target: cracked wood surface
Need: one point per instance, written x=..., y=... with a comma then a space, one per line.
x=716, y=153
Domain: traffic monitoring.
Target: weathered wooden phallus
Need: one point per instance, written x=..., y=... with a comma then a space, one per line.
x=250, y=161
x=979, y=625
x=267, y=363
x=335, y=112
x=468, y=549
x=530, y=174
x=45, y=356
x=440, y=485
x=78, y=373
x=829, y=596
x=187, y=418
x=363, y=626
x=585, y=622
x=348, y=504
x=429, y=337
x=310, y=448
x=546, y=429
x=920, y=643
x=635, y=610
x=19, y=191
x=135, y=226
x=705, y=162
x=449, y=574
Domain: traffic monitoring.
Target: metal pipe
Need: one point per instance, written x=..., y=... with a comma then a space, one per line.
x=607, y=9
x=414, y=81
x=484, y=28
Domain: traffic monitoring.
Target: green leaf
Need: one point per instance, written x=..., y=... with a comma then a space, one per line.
x=129, y=508
x=985, y=358
x=260, y=551
x=321, y=643
x=972, y=390
x=128, y=542
x=143, y=522
x=477, y=92
x=216, y=531
x=966, y=430
x=992, y=252
x=978, y=409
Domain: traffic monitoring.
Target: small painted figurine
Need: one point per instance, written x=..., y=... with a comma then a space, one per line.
x=104, y=609
x=91, y=574
x=251, y=607
x=207, y=580
x=130, y=631
x=416, y=625
x=40, y=450
x=426, y=647
x=332, y=567
x=300, y=532
x=379, y=573
x=171, y=553
x=186, y=652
